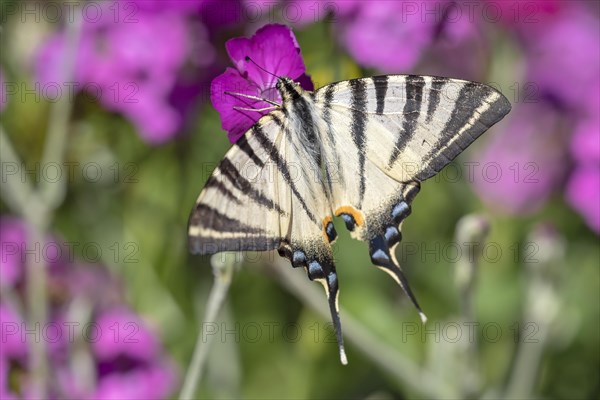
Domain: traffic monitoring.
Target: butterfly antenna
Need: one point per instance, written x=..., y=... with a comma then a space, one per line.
x=261, y=68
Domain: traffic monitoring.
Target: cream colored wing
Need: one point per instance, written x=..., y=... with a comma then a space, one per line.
x=383, y=135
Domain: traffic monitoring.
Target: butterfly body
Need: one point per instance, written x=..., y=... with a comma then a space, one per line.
x=356, y=149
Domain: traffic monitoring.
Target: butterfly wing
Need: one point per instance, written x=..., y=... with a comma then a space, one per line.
x=383, y=135
x=239, y=207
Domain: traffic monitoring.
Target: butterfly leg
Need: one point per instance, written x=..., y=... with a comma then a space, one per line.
x=253, y=98
x=255, y=109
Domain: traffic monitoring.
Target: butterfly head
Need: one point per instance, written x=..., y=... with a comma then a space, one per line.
x=288, y=89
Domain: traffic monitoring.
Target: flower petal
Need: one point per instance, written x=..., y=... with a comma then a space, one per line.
x=583, y=192
x=521, y=166
x=236, y=122
x=274, y=48
x=375, y=37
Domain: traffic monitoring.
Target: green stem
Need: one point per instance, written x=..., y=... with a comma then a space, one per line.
x=542, y=308
x=223, y=267
x=58, y=127
x=16, y=191
x=471, y=233
x=37, y=206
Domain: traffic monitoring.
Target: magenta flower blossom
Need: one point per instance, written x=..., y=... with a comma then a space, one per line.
x=520, y=14
x=564, y=43
x=130, y=360
x=12, y=238
x=14, y=248
x=132, y=339
x=163, y=5
x=583, y=193
x=274, y=48
x=133, y=68
x=385, y=34
x=522, y=165
x=123, y=358
x=13, y=348
x=583, y=188
x=296, y=12
x=558, y=49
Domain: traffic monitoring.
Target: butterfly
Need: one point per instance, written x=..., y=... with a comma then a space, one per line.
x=357, y=149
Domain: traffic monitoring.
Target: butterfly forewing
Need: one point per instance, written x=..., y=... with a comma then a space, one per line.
x=415, y=125
x=241, y=206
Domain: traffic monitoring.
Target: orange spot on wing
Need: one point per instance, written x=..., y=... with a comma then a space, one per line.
x=357, y=215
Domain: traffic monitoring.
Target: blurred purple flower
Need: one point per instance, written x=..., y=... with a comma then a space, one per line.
x=131, y=339
x=126, y=360
x=562, y=54
x=12, y=349
x=386, y=35
x=585, y=145
x=526, y=14
x=524, y=164
x=274, y=48
x=563, y=57
x=14, y=248
x=583, y=193
x=294, y=12
x=583, y=187
x=11, y=323
x=458, y=49
x=12, y=237
x=164, y=5
x=130, y=360
x=132, y=68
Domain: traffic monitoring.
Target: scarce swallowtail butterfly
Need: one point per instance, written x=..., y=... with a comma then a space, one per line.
x=357, y=149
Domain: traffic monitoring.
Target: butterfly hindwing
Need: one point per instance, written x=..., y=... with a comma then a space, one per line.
x=395, y=131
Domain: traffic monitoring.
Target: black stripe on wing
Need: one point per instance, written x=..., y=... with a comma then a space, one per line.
x=381, y=86
x=281, y=163
x=215, y=183
x=326, y=115
x=358, y=88
x=211, y=232
x=243, y=145
x=435, y=93
x=204, y=216
x=464, y=125
x=410, y=113
x=229, y=171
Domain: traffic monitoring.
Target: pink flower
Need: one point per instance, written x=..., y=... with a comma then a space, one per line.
x=524, y=163
x=133, y=68
x=274, y=48
x=13, y=346
x=386, y=35
x=583, y=192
